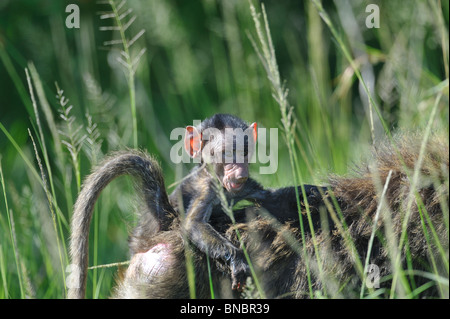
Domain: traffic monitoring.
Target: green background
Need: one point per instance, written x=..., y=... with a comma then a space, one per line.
x=198, y=61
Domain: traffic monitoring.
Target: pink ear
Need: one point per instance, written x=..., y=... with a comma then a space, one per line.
x=192, y=141
x=255, y=131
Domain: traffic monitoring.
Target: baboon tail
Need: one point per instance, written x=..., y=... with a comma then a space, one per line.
x=157, y=211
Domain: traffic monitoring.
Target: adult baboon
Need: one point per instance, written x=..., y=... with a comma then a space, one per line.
x=223, y=145
x=409, y=248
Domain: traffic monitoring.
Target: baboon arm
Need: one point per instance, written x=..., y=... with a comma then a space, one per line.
x=282, y=202
x=208, y=240
x=254, y=192
x=202, y=234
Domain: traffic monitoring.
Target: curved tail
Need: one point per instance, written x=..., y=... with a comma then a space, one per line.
x=156, y=217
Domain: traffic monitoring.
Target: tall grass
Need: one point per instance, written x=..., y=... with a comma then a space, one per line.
x=192, y=61
x=119, y=13
x=266, y=53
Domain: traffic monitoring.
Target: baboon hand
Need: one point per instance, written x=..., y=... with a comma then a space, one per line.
x=239, y=272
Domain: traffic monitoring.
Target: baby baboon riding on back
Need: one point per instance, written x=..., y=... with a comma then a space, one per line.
x=284, y=268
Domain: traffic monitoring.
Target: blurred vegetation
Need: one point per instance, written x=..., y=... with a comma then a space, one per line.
x=198, y=61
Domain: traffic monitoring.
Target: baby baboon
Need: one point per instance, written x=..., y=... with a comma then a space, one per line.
x=217, y=142
x=223, y=145
x=297, y=270
x=287, y=263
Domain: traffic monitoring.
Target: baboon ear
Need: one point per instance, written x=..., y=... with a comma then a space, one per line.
x=192, y=141
x=254, y=126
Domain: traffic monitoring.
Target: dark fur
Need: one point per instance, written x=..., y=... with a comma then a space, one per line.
x=195, y=196
x=197, y=199
x=156, y=215
x=282, y=270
